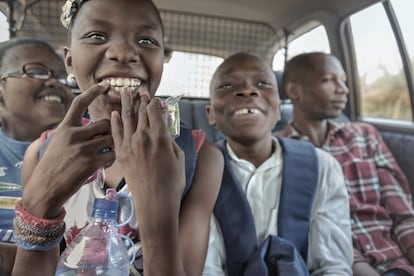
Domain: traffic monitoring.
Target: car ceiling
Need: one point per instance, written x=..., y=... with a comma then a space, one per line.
x=276, y=13
x=263, y=21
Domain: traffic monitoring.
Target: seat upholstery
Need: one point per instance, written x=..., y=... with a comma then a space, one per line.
x=401, y=145
x=282, y=93
x=193, y=115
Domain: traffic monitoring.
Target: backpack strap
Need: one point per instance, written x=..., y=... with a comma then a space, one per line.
x=187, y=144
x=276, y=256
x=300, y=178
x=232, y=211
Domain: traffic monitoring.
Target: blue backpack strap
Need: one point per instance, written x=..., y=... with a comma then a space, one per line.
x=276, y=256
x=300, y=178
x=232, y=211
x=186, y=143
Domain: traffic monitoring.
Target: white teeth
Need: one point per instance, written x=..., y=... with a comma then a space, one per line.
x=119, y=88
x=244, y=111
x=121, y=82
x=51, y=98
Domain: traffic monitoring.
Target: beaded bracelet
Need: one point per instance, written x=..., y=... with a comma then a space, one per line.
x=33, y=233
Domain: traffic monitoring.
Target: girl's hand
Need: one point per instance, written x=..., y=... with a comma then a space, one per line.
x=75, y=152
x=152, y=163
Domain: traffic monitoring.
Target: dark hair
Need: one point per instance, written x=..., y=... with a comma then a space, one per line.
x=298, y=67
x=14, y=42
x=236, y=56
x=78, y=4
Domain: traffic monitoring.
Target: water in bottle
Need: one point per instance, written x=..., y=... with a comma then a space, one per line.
x=98, y=249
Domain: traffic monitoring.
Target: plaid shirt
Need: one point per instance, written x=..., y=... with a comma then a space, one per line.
x=380, y=199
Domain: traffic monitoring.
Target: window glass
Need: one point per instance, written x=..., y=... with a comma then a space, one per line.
x=314, y=40
x=403, y=10
x=4, y=28
x=384, y=91
x=188, y=74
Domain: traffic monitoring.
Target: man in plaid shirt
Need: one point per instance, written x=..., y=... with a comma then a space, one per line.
x=380, y=200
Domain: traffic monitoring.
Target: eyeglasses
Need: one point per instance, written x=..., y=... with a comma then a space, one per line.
x=35, y=71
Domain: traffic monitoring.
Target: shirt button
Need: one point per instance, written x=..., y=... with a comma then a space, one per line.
x=368, y=246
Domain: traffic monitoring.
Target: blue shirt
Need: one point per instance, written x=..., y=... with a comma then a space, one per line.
x=11, y=160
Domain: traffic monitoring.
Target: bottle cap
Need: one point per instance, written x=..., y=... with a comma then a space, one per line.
x=103, y=208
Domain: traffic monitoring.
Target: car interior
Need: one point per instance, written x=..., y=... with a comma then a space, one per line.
x=267, y=28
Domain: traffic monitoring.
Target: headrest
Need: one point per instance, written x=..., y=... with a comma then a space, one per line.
x=279, y=79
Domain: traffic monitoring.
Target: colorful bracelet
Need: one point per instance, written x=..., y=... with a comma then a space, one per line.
x=33, y=233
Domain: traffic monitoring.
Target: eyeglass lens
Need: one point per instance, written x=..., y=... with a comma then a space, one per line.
x=37, y=71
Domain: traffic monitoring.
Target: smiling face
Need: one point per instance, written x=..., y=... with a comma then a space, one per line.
x=321, y=91
x=121, y=43
x=244, y=99
x=29, y=106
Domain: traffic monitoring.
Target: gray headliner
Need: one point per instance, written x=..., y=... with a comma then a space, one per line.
x=276, y=13
x=293, y=16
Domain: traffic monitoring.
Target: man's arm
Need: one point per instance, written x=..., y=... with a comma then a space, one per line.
x=363, y=269
x=330, y=245
x=395, y=191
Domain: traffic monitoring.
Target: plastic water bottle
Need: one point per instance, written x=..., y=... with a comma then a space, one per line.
x=98, y=249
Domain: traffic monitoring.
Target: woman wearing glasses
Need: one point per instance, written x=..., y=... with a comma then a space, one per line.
x=34, y=97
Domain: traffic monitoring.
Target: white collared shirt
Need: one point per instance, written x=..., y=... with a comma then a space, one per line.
x=330, y=246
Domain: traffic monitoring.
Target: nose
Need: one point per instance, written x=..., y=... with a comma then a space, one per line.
x=342, y=87
x=247, y=90
x=57, y=82
x=123, y=53
x=54, y=80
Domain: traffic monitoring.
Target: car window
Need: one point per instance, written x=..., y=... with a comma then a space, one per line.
x=403, y=10
x=314, y=40
x=383, y=86
x=188, y=74
x=4, y=31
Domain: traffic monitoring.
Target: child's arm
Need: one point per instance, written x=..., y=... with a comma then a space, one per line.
x=70, y=158
x=174, y=237
x=7, y=255
x=198, y=208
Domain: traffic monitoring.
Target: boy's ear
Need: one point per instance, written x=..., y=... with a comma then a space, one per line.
x=293, y=90
x=1, y=95
x=68, y=59
x=210, y=115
